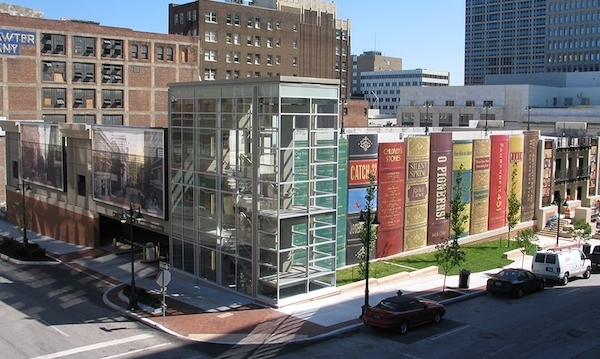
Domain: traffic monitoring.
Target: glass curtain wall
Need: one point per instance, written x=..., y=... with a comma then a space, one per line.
x=254, y=186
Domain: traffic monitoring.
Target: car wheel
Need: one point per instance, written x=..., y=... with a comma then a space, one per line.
x=564, y=280
x=437, y=317
x=403, y=328
x=520, y=293
x=541, y=286
x=587, y=273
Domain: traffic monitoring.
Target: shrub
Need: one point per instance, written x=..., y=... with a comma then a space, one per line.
x=18, y=250
x=144, y=297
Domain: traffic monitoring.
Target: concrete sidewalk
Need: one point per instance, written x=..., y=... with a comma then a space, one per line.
x=202, y=312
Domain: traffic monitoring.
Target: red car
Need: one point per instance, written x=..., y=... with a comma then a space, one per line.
x=402, y=312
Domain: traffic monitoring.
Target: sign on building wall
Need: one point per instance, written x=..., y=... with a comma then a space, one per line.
x=129, y=167
x=12, y=40
x=42, y=154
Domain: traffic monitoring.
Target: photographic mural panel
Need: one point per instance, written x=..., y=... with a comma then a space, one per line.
x=129, y=167
x=42, y=154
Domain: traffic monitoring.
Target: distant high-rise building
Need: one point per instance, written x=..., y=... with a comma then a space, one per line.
x=535, y=36
x=371, y=61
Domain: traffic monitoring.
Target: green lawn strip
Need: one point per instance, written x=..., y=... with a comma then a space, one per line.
x=479, y=257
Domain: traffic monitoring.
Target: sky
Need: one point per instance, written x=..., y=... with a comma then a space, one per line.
x=426, y=34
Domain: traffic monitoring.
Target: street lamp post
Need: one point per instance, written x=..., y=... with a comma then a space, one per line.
x=427, y=105
x=528, y=115
x=24, y=187
x=368, y=218
x=487, y=107
x=133, y=215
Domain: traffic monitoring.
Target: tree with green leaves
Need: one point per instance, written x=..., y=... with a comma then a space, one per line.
x=581, y=231
x=368, y=234
x=448, y=252
x=525, y=241
x=513, y=213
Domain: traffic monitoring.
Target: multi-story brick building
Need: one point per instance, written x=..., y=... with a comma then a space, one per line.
x=268, y=38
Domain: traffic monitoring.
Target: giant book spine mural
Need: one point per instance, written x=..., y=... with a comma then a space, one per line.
x=481, y=185
x=530, y=166
x=390, y=196
x=462, y=165
x=417, y=193
x=440, y=187
x=498, y=173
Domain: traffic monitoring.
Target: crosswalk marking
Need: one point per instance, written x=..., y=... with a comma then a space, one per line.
x=94, y=346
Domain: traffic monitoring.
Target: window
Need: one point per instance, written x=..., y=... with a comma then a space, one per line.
x=269, y=42
x=88, y=119
x=169, y=54
x=449, y=103
x=236, y=20
x=112, y=98
x=160, y=53
x=227, y=74
x=470, y=103
x=15, y=169
x=257, y=59
x=84, y=98
x=278, y=60
x=53, y=71
x=257, y=41
x=228, y=56
x=249, y=40
x=249, y=74
x=112, y=74
x=112, y=48
x=210, y=55
x=250, y=21
x=83, y=46
x=210, y=36
x=236, y=74
x=184, y=55
x=257, y=74
x=488, y=103
x=228, y=38
x=195, y=15
x=278, y=42
x=176, y=19
x=81, y=182
x=84, y=72
x=112, y=120
x=257, y=23
x=210, y=74
x=249, y=58
x=53, y=44
x=54, y=118
x=269, y=24
x=229, y=19
x=278, y=24
x=236, y=57
x=134, y=51
x=145, y=52
x=295, y=26
x=295, y=61
x=269, y=60
x=54, y=98
x=211, y=16
x=236, y=39
x=295, y=44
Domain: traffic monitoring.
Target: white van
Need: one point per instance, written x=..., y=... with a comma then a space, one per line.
x=561, y=263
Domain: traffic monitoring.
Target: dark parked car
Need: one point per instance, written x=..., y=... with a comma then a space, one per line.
x=516, y=282
x=595, y=258
x=402, y=312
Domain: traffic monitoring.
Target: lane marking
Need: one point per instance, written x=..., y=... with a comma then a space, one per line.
x=53, y=327
x=94, y=346
x=450, y=332
x=503, y=349
x=569, y=292
x=136, y=351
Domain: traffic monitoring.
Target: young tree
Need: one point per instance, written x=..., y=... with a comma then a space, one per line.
x=581, y=231
x=368, y=234
x=448, y=252
x=526, y=240
x=513, y=213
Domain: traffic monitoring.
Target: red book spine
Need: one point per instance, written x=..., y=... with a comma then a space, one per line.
x=498, y=181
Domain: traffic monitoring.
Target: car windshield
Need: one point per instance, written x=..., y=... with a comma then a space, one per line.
x=508, y=274
x=389, y=305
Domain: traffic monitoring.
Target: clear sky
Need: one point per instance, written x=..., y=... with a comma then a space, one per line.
x=426, y=34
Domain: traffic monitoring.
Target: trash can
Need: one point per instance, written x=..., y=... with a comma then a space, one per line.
x=149, y=251
x=463, y=278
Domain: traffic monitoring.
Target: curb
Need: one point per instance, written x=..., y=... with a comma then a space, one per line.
x=39, y=263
